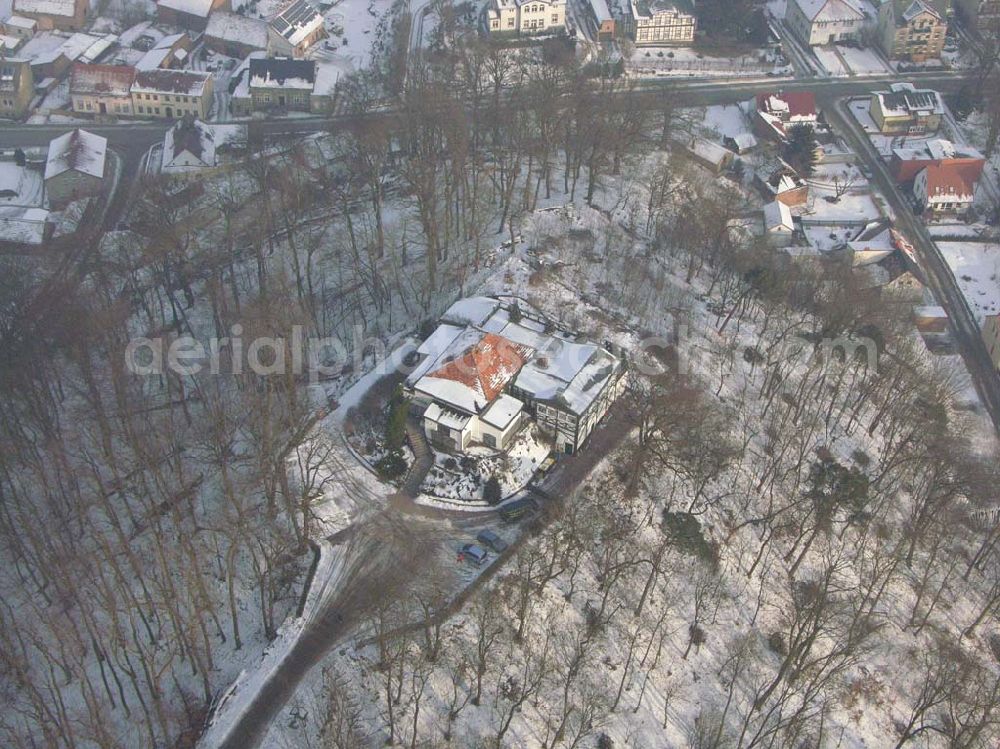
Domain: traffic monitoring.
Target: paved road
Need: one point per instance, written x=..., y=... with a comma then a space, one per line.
x=942, y=281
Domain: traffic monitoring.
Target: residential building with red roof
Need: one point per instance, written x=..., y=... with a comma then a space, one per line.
x=948, y=187
x=102, y=89
x=776, y=113
x=492, y=366
x=908, y=160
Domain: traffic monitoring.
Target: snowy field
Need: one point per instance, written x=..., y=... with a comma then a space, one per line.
x=359, y=31
x=977, y=268
x=726, y=120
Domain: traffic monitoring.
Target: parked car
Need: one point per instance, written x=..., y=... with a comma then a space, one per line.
x=517, y=509
x=491, y=540
x=473, y=553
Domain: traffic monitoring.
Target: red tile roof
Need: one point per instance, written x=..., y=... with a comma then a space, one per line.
x=800, y=103
x=953, y=177
x=486, y=367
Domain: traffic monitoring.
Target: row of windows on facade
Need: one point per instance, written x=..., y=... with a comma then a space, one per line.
x=123, y=108
x=539, y=24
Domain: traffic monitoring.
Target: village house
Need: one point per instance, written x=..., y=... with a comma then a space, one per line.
x=268, y=84
x=661, y=22
x=526, y=16
x=19, y=27
x=913, y=30
x=710, y=155
x=189, y=14
x=778, y=180
x=192, y=147
x=294, y=30
x=492, y=367
x=906, y=110
x=234, y=35
x=65, y=15
x=75, y=167
x=908, y=160
x=779, y=226
x=818, y=22
x=102, y=89
x=16, y=87
x=947, y=188
x=172, y=93
x=776, y=113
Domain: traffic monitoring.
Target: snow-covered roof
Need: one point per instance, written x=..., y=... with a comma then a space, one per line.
x=21, y=22
x=153, y=59
x=232, y=27
x=447, y=417
x=65, y=8
x=708, y=151
x=283, y=73
x=904, y=99
x=473, y=310
x=502, y=411
x=297, y=22
x=601, y=12
x=199, y=8
x=917, y=8
x=78, y=151
x=828, y=11
x=474, y=378
x=111, y=80
x=159, y=80
x=469, y=360
x=778, y=217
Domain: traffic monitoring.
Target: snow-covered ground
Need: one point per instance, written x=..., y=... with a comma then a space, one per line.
x=690, y=62
x=976, y=267
x=20, y=186
x=828, y=59
x=864, y=61
x=457, y=478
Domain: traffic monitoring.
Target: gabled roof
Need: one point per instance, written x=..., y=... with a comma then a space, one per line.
x=951, y=179
x=825, y=11
x=232, y=27
x=199, y=8
x=777, y=215
x=283, y=73
x=188, y=82
x=478, y=375
x=296, y=22
x=796, y=104
x=62, y=8
x=115, y=80
x=78, y=151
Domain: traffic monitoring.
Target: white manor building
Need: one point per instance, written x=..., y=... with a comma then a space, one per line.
x=526, y=16
x=818, y=22
x=492, y=366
